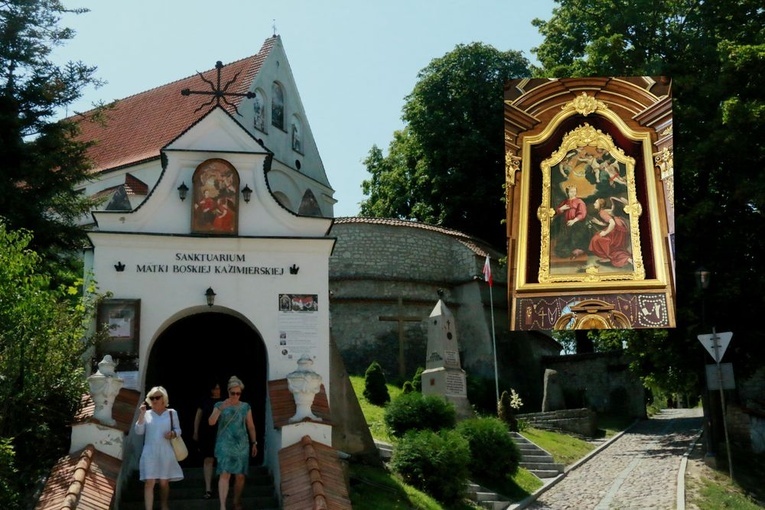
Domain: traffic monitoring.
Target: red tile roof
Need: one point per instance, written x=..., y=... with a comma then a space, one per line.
x=312, y=477
x=478, y=246
x=123, y=410
x=84, y=480
x=140, y=125
x=283, y=403
x=135, y=186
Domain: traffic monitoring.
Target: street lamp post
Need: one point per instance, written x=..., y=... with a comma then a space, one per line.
x=703, y=278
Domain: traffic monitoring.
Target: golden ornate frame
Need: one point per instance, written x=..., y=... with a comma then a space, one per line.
x=592, y=278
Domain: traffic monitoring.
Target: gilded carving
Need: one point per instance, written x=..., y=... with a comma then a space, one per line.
x=664, y=161
x=585, y=105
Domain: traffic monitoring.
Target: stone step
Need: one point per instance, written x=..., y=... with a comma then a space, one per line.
x=547, y=466
x=545, y=473
x=486, y=498
x=259, y=492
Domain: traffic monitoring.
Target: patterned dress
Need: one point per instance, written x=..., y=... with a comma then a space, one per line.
x=157, y=457
x=232, y=446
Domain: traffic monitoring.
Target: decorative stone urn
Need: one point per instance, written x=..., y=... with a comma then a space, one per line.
x=304, y=384
x=104, y=388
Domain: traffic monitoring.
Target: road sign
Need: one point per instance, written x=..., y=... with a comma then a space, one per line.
x=725, y=373
x=722, y=340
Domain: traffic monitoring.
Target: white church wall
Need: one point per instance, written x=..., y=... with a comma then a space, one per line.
x=171, y=278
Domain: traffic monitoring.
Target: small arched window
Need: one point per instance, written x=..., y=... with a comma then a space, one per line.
x=296, y=132
x=277, y=106
x=259, y=107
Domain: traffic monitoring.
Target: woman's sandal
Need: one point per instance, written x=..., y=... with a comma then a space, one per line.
x=208, y=495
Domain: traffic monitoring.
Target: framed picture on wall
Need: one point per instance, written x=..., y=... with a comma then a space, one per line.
x=122, y=318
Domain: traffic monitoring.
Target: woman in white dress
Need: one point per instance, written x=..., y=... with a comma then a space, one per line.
x=158, y=462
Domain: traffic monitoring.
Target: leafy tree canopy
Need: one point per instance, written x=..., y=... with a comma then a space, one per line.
x=715, y=54
x=41, y=160
x=41, y=365
x=446, y=167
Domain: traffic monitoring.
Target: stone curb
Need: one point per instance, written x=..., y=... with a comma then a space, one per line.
x=680, y=503
x=552, y=483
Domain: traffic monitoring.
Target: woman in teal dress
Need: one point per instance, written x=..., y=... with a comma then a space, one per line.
x=235, y=443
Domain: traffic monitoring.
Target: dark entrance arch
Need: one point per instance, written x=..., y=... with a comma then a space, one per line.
x=202, y=348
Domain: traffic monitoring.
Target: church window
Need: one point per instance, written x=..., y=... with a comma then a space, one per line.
x=277, y=106
x=216, y=198
x=259, y=107
x=296, y=132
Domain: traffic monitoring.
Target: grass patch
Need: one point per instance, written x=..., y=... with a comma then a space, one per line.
x=565, y=449
x=374, y=414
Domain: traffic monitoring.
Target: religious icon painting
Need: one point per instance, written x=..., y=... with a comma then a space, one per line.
x=589, y=211
x=589, y=190
x=216, y=198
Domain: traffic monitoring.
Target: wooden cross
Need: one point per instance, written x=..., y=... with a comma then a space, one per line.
x=401, y=319
x=218, y=94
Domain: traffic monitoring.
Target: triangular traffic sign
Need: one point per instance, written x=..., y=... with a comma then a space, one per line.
x=722, y=340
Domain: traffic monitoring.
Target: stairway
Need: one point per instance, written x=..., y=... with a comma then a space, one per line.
x=187, y=494
x=535, y=459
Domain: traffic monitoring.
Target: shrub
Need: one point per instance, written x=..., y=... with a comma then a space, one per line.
x=414, y=411
x=407, y=387
x=417, y=379
x=375, y=388
x=434, y=462
x=493, y=453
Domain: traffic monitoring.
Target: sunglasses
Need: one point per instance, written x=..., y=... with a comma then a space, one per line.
x=155, y=397
x=234, y=392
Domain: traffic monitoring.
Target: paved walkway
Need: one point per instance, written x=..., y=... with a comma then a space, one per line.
x=638, y=470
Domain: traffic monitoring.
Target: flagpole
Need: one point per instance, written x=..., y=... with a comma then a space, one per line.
x=494, y=340
x=488, y=278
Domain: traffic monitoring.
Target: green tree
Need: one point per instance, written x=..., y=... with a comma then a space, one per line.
x=714, y=52
x=42, y=160
x=375, y=385
x=446, y=167
x=42, y=344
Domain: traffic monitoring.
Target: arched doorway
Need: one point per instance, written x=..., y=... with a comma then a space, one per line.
x=205, y=347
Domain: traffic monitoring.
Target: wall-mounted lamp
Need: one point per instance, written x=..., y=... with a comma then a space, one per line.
x=183, y=190
x=246, y=193
x=210, y=295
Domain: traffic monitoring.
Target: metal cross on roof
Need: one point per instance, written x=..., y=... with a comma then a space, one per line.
x=219, y=94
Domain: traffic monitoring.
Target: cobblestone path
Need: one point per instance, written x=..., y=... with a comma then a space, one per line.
x=636, y=471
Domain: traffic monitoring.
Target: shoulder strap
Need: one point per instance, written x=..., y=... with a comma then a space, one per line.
x=172, y=424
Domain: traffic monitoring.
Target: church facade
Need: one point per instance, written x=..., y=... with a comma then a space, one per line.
x=218, y=250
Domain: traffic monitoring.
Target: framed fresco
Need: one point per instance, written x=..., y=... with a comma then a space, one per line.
x=216, y=198
x=122, y=317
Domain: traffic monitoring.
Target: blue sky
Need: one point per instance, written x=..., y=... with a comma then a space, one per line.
x=354, y=61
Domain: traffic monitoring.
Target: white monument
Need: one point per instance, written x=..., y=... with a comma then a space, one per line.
x=443, y=373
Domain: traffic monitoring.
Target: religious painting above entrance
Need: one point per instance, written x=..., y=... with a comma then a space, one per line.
x=590, y=192
x=216, y=198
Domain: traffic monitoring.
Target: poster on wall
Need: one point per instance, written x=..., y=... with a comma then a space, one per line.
x=298, y=324
x=121, y=320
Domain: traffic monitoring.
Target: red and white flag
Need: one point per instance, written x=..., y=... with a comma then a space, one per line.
x=487, y=272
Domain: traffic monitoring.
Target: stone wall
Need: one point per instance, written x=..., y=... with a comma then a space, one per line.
x=384, y=268
x=583, y=422
x=599, y=381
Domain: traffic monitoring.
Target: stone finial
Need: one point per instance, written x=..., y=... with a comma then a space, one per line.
x=304, y=384
x=104, y=388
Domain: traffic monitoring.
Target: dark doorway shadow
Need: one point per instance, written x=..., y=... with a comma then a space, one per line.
x=203, y=347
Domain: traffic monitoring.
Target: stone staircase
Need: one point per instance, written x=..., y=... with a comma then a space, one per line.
x=535, y=459
x=259, y=492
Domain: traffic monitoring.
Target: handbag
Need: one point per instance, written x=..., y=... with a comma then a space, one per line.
x=179, y=447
